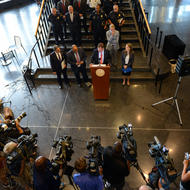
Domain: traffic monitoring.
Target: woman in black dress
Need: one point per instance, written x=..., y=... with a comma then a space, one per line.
x=127, y=63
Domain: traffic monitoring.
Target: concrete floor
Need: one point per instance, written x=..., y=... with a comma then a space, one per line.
x=52, y=112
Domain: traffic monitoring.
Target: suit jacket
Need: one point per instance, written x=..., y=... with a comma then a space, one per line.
x=72, y=60
x=56, y=63
x=131, y=59
x=56, y=21
x=95, y=57
x=60, y=7
x=112, y=40
x=75, y=25
x=83, y=6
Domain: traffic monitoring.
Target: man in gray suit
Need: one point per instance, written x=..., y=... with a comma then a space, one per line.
x=113, y=44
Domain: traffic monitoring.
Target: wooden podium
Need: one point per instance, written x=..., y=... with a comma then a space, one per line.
x=101, y=81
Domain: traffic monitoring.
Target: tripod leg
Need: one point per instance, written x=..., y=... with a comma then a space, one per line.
x=178, y=111
x=162, y=101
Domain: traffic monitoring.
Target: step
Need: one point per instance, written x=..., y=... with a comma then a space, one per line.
x=135, y=76
x=90, y=47
x=84, y=40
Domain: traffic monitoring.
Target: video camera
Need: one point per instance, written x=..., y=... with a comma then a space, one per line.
x=163, y=163
x=63, y=155
x=129, y=143
x=26, y=148
x=94, y=155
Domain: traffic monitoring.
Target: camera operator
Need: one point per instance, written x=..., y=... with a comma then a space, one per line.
x=115, y=167
x=85, y=180
x=185, y=176
x=42, y=175
x=8, y=117
x=19, y=170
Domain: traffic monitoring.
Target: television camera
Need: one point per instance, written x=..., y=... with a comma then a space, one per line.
x=129, y=147
x=166, y=171
x=94, y=154
x=63, y=155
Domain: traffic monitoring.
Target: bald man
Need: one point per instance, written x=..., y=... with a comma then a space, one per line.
x=57, y=21
x=76, y=57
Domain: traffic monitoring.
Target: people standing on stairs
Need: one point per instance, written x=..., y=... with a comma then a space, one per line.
x=98, y=24
x=62, y=7
x=113, y=44
x=58, y=63
x=117, y=18
x=80, y=6
x=74, y=24
x=57, y=21
x=76, y=57
x=127, y=63
x=101, y=55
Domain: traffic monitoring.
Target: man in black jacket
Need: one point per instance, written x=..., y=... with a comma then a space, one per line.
x=57, y=25
x=76, y=57
x=62, y=7
x=115, y=167
x=101, y=55
x=59, y=65
x=73, y=21
x=80, y=6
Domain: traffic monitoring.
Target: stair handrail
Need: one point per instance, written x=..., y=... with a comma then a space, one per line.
x=142, y=22
x=43, y=29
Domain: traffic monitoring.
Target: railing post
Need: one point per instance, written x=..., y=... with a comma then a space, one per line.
x=147, y=45
x=157, y=35
x=160, y=39
x=36, y=58
x=150, y=60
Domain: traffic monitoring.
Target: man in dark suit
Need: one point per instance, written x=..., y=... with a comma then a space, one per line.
x=76, y=57
x=101, y=55
x=57, y=25
x=73, y=21
x=59, y=65
x=80, y=6
x=62, y=7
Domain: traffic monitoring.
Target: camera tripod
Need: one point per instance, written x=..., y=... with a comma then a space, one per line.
x=174, y=98
x=136, y=165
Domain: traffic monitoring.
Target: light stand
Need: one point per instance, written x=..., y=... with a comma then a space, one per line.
x=174, y=98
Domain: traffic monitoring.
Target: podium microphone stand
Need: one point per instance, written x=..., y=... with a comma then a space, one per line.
x=174, y=98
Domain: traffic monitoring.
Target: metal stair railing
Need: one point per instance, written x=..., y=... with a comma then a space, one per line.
x=142, y=22
x=43, y=26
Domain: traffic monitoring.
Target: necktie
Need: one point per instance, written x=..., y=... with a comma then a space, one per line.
x=59, y=56
x=71, y=16
x=64, y=8
x=77, y=57
x=101, y=58
x=79, y=3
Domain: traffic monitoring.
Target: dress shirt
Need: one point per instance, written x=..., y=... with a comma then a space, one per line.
x=99, y=56
x=71, y=16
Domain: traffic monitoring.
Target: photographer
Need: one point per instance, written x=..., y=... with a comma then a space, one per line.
x=115, y=167
x=85, y=180
x=185, y=176
x=8, y=117
x=42, y=175
x=19, y=170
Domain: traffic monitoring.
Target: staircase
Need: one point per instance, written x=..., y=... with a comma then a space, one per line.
x=129, y=34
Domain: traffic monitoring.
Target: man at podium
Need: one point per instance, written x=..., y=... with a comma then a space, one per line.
x=101, y=55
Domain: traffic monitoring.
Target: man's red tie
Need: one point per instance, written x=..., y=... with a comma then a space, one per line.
x=77, y=56
x=64, y=8
x=101, y=58
x=79, y=3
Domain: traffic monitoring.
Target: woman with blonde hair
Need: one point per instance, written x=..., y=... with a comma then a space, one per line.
x=127, y=63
